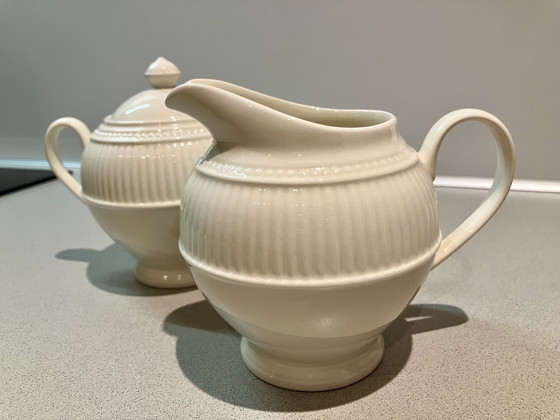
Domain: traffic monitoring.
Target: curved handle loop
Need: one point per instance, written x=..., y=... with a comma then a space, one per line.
x=502, y=180
x=51, y=149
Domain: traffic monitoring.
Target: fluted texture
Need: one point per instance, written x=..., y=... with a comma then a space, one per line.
x=311, y=231
x=139, y=173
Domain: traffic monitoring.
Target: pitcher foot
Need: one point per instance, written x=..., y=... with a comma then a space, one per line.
x=312, y=376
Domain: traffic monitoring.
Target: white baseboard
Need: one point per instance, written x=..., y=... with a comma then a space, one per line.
x=527, y=185
x=36, y=164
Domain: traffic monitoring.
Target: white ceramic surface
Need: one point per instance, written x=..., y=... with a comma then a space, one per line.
x=310, y=230
x=134, y=167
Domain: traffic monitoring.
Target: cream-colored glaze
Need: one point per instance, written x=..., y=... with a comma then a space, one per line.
x=310, y=229
x=134, y=167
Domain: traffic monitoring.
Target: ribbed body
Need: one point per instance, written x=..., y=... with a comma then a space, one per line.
x=298, y=228
x=121, y=173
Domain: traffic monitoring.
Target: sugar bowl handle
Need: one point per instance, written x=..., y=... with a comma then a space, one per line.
x=502, y=179
x=51, y=149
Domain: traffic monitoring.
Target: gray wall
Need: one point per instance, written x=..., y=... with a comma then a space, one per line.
x=417, y=59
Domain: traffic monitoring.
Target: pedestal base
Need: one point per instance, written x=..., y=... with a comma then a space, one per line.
x=164, y=278
x=309, y=376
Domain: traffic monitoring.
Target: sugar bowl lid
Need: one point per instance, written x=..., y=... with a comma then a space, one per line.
x=145, y=116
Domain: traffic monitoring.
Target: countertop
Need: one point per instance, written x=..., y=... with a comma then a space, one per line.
x=81, y=339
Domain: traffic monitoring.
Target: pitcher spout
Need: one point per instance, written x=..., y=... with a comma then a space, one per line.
x=218, y=109
x=234, y=114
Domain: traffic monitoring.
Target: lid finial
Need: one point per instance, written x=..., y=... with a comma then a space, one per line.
x=163, y=74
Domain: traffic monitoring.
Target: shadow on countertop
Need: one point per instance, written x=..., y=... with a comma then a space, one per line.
x=112, y=270
x=209, y=356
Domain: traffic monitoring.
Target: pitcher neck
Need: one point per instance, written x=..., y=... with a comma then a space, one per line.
x=237, y=115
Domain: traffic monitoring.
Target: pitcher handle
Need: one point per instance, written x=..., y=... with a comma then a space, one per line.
x=51, y=149
x=502, y=179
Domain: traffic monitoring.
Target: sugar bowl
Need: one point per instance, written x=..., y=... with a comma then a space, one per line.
x=134, y=166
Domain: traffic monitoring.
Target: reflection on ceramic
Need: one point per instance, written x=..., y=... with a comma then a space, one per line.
x=310, y=230
x=134, y=167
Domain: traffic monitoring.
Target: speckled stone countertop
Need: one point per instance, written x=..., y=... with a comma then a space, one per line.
x=80, y=339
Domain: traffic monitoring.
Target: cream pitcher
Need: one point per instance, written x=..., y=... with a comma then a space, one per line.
x=310, y=230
